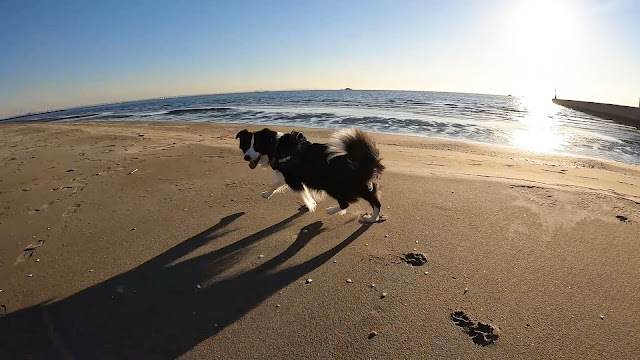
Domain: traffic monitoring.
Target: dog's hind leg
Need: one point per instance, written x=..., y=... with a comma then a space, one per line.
x=278, y=181
x=370, y=193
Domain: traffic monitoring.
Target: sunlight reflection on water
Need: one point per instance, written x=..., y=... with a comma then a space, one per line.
x=539, y=130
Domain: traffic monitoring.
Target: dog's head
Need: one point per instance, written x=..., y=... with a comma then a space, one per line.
x=256, y=145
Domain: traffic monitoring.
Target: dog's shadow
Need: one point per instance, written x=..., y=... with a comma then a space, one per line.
x=156, y=310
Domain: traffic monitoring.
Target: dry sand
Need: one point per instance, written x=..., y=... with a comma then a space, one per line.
x=183, y=258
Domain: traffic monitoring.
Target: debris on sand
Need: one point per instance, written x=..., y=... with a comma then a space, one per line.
x=622, y=218
x=384, y=295
x=349, y=281
x=308, y=281
x=415, y=259
x=372, y=334
x=132, y=171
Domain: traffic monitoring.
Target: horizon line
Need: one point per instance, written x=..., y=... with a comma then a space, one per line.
x=233, y=92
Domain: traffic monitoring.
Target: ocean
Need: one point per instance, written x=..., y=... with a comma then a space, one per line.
x=521, y=122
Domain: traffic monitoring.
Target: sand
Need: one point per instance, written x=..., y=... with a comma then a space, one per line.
x=157, y=244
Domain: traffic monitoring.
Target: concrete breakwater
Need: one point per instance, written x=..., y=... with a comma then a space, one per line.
x=627, y=115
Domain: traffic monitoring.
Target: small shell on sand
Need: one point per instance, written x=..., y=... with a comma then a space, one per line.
x=349, y=281
x=308, y=281
x=384, y=295
x=373, y=334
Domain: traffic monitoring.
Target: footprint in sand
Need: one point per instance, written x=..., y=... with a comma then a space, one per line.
x=71, y=210
x=41, y=208
x=536, y=194
x=414, y=259
x=29, y=250
x=481, y=333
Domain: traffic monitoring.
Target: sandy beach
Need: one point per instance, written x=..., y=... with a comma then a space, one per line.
x=150, y=240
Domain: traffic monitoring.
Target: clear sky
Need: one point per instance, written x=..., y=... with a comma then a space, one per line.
x=56, y=54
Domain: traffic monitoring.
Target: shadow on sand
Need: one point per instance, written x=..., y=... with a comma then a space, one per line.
x=155, y=310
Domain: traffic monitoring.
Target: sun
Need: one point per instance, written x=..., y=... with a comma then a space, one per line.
x=539, y=32
x=540, y=24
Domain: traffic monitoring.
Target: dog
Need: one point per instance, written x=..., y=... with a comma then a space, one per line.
x=346, y=168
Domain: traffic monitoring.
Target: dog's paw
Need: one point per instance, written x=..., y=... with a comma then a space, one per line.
x=333, y=210
x=370, y=219
x=266, y=194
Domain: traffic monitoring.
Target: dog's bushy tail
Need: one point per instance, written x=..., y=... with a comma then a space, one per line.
x=359, y=149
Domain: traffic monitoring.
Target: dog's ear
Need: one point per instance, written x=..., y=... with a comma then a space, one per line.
x=241, y=133
x=300, y=137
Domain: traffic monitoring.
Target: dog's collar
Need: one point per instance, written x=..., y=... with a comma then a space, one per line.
x=284, y=159
x=272, y=162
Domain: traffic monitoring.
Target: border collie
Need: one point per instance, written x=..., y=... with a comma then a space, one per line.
x=346, y=168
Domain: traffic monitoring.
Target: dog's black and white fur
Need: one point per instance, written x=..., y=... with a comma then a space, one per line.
x=346, y=168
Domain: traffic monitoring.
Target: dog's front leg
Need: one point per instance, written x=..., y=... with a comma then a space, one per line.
x=278, y=181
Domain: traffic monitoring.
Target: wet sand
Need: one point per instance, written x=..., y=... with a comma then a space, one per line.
x=150, y=240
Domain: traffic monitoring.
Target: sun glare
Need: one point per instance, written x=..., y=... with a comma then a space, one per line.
x=538, y=23
x=538, y=31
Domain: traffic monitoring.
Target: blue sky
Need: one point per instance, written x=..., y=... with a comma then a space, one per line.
x=63, y=53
